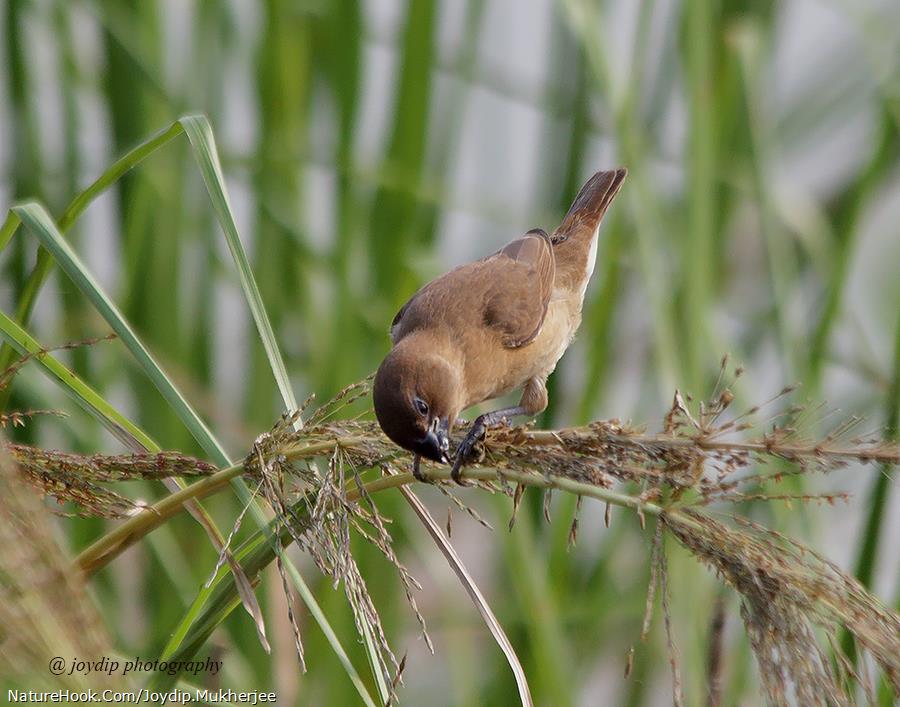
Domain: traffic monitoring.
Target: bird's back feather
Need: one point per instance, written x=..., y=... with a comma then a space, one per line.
x=506, y=293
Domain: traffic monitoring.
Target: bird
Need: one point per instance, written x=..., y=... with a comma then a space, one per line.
x=487, y=328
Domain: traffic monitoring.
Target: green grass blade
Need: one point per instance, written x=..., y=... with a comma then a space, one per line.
x=213, y=605
x=202, y=141
x=878, y=496
x=551, y=661
x=847, y=213
x=115, y=171
x=38, y=221
x=41, y=224
x=8, y=230
x=481, y=604
x=374, y=664
x=193, y=612
x=77, y=206
x=698, y=252
x=200, y=135
x=119, y=426
x=84, y=199
x=128, y=433
x=191, y=616
x=316, y=610
x=781, y=262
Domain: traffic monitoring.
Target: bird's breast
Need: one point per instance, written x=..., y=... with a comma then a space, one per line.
x=491, y=375
x=560, y=325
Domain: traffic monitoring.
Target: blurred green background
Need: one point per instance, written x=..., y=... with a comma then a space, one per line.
x=368, y=147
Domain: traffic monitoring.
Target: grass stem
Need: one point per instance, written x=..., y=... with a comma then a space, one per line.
x=105, y=549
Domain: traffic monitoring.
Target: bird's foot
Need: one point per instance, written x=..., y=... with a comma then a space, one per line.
x=465, y=452
x=417, y=471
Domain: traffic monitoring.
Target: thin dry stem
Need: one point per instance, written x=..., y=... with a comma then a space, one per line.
x=702, y=457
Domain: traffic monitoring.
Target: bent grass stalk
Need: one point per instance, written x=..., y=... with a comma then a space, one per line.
x=690, y=464
x=111, y=545
x=75, y=208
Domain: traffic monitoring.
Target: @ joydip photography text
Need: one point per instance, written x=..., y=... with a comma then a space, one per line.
x=110, y=666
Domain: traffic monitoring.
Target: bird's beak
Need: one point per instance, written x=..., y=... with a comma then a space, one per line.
x=436, y=444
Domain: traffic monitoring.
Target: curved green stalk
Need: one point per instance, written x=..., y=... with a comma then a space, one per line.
x=95, y=404
x=75, y=208
x=877, y=499
x=200, y=135
x=113, y=543
x=56, y=249
x=223, y=599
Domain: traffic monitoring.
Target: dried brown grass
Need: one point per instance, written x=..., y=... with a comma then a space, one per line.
x=702, y=462
x=45, y=610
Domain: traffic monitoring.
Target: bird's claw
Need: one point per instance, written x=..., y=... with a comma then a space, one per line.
x=466, y=449
x=416, y=471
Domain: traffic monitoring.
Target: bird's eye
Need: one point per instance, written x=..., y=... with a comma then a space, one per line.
x=421, y=407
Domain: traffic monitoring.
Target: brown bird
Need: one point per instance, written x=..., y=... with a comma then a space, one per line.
x=487, y=328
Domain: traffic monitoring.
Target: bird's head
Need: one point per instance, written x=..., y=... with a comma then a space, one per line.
x=416, y=395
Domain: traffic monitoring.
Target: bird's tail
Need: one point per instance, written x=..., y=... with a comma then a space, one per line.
x=591, y=203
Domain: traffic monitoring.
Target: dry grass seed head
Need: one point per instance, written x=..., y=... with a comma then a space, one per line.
x=315, y=512
x=705, y=453
x=80, y=479
x=44, y=608
x=787, y=591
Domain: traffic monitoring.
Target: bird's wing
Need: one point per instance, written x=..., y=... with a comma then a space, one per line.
x=507, y=292
x=522, y=276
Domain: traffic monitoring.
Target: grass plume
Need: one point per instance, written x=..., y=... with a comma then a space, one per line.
x=701, y=463
x=45, y=610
